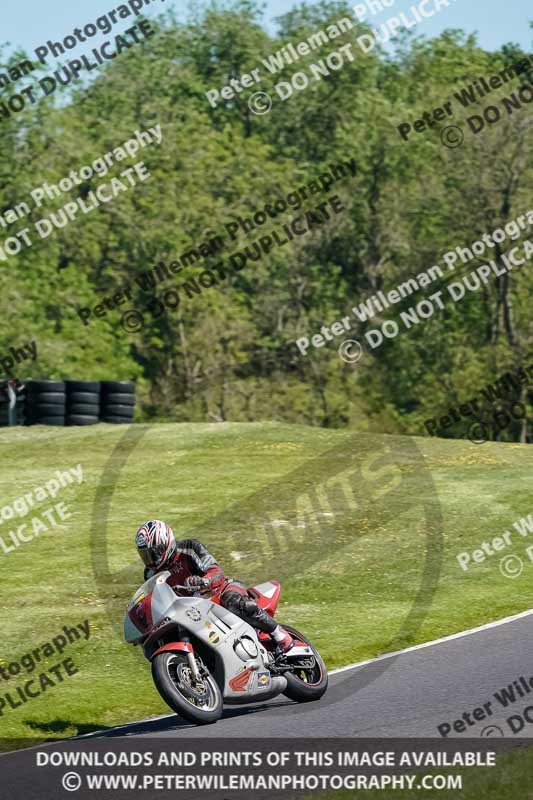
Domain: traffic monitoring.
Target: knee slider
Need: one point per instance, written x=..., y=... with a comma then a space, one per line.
x=233, y=601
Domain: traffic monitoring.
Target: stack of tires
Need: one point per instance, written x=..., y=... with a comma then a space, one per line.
x=45, y=403
x=117, y=402
x=83, y=402
x=20, y=408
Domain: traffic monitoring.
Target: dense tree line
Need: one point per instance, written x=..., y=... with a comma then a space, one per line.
x=228, y=352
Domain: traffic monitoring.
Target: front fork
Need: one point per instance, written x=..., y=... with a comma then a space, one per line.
x=194, y=668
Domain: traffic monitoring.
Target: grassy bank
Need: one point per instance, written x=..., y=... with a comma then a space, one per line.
x=351, y=559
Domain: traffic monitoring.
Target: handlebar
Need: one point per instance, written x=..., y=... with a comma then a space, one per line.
x=191, y=589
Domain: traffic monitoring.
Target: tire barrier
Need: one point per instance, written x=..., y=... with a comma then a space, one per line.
x=118, y=402
x=45, y=402
x=69, y=402
x=83, y=402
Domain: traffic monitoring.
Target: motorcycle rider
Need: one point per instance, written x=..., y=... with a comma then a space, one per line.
x=192, y=565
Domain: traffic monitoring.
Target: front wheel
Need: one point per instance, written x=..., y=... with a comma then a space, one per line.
x=200, y=703
x=307, y=682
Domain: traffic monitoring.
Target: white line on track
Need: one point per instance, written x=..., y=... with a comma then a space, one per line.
x=434, y=642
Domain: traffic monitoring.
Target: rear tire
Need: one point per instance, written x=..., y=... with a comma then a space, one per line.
x=306, y=685
x=171, y=674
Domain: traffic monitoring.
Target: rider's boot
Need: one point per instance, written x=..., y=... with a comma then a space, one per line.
x=248, y=609
x=264, y=622
x=284, y=640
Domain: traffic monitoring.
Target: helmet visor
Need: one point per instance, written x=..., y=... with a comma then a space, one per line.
x=146, y=555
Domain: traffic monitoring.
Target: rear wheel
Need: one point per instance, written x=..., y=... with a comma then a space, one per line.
x=199, y=703
x=309, y=680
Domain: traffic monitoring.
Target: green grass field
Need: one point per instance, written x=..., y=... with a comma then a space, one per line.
x=355, y=538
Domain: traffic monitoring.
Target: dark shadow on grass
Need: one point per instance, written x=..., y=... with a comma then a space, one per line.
x=62, y=725
x=49, y=732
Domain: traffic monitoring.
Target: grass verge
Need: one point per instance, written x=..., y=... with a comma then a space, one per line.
x=351, y=566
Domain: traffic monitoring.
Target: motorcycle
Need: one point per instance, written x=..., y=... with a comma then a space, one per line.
x=203, y=655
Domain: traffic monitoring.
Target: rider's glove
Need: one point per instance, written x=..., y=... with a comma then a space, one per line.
x=197, y=582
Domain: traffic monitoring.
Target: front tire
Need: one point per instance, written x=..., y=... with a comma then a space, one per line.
x=173, y=679
x=306, y=684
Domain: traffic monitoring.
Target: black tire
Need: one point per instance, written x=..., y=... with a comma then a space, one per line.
x=83, y=397
x=45, y=386
x=84, y=409
x=81, y=419
x=118, y=399
x=83, y=386
x=123, y=387
x=47, y=421
x=4, y=407
x=117, y=420
x=47, y=397
x=117, y=411
x=312, y=686
x=47, y=409
x=4, y=399
x=169, y=671
x=5, y=420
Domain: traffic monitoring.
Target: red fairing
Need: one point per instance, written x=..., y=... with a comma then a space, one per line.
x=270, y=604
x=171, y=646
x=141, y=614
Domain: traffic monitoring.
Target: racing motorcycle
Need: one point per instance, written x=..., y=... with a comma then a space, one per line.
x=203, y=655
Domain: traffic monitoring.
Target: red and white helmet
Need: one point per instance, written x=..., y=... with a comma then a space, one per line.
x=155, y=543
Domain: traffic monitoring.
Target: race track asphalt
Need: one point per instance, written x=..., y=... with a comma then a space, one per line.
x=406, y=695
x=393, y=698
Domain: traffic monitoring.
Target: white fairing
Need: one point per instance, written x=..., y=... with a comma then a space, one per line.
x=133, y=634
x=244, y=670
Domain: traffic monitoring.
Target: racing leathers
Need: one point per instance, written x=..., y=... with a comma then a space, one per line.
x=193, y=559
